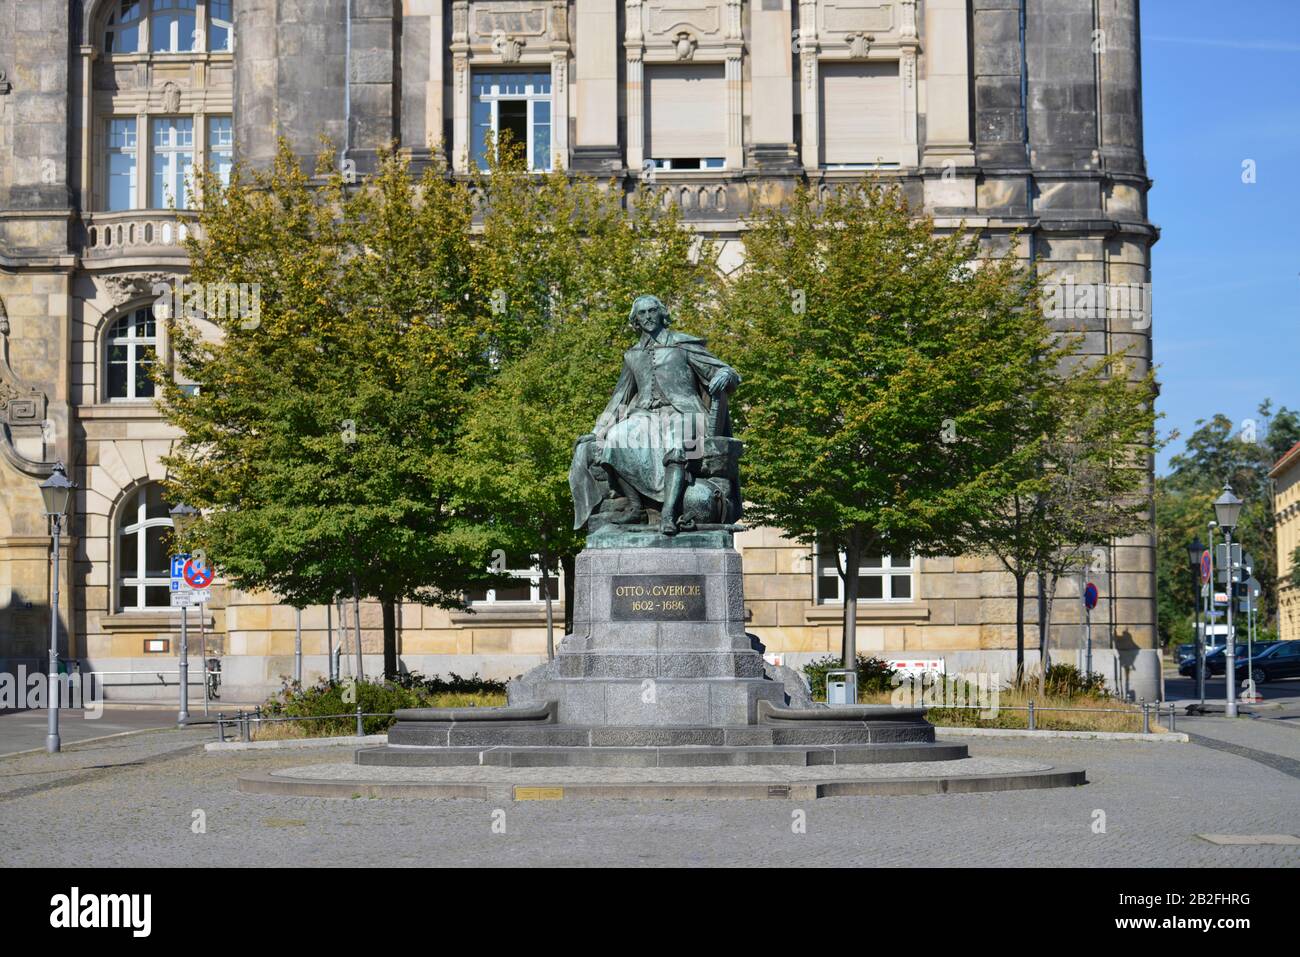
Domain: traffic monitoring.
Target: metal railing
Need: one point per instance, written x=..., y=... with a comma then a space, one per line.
x=246, y=722
x=1033, y=710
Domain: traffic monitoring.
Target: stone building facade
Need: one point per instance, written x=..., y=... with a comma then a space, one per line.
x=1286, y=510
x=1014, y=116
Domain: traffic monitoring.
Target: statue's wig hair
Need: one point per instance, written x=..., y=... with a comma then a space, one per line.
x=658, y=304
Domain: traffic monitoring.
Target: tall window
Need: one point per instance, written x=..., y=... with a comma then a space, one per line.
x=172, y=27
x=122, y=34
x=172, y=161
x=221, y=26
x=144, y=571
x=132, y=347
x=686, y=108
x=518, y=103
x=527, y=586
x=121, y=164
x=221, y=147
x=880, y=578
x=861, y=115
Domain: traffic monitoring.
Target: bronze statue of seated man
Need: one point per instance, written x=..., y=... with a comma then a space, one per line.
x=664, y=439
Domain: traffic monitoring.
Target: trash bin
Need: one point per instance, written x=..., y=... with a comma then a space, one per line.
x=841, y=686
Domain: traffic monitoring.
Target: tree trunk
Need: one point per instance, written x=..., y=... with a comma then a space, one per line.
x=544, y=560
x=356, y=620
x=569, y=564
x=390, y=638
x=852, y=563
x=1020, y=627
x=1042, y=632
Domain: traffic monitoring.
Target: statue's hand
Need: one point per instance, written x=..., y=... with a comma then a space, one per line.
x=723, y=380
x=589, y=437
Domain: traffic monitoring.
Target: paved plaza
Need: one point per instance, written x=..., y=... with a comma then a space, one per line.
x=134, y=800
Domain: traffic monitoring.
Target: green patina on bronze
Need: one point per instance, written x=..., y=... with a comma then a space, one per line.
x=663, y=443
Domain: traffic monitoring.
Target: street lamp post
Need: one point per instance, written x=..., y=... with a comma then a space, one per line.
x=56, y=493
x=1227, y=508
x=182, y=518
x=1194, y=552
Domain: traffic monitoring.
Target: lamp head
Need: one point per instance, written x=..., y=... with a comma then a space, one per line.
x=1227, y=508
x=56, y=492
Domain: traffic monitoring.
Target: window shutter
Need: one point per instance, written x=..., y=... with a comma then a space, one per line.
x=687, y=110
x=862, y=113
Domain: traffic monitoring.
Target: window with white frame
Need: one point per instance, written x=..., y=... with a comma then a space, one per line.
x=122, y=165
x=171, y=26
x=514, y=103
x=171, y=162
x=122, y=31
x=221, y=147
x=130, y=352
x=143, y=564
x=221, y=26
x=526, y=586
x=881, y=578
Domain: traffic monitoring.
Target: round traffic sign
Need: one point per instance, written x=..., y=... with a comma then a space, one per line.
x=197, y=576
x=1090, y=596
x=1205, y=566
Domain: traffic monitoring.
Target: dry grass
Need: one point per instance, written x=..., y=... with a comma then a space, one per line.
x=290, y=730
x=1117, y=716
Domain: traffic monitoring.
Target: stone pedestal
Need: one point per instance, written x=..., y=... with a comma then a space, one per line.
x=658, y=637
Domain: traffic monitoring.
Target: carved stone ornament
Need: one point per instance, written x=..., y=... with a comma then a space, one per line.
x=860, y=44
x=124, y=287
x=171, y=97
x=684, y=46
x=510, y=48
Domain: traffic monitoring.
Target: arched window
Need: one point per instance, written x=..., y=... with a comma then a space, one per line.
x=143, y=565
x=168, y=26
x=131, y=350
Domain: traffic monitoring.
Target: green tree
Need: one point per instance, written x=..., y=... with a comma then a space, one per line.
x=1219, y=451
x=883, y=374
x=1075, y=480
x=320, y=436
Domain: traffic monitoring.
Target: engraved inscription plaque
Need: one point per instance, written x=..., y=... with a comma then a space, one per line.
x=657, y=598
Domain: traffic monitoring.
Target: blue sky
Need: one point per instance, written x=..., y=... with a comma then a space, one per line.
x=1221, y=85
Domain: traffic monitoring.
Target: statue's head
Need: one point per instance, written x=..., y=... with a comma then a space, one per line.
x=648, y=315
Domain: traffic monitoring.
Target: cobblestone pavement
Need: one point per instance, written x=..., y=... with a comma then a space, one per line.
x=132, y=801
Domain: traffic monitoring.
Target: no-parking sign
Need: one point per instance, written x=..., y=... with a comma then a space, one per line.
x=189, y=582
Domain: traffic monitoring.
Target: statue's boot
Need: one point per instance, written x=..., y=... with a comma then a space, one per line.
x=674, y=487
x=635, y=510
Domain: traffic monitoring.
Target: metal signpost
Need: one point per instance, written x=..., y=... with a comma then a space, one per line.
x=1089, y=603
x=190, y=581
x=1207, y=591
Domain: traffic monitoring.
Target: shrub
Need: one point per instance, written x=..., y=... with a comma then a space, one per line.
x=874, y=675
x=452, y=684
x=325, y=697
x=1068, y=681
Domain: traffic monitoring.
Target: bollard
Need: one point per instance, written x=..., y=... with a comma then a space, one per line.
x=243, y=727
x=1146, y=718
x=221, y=727
x=1032, y=725
x=360, y=731
x=1173, y=717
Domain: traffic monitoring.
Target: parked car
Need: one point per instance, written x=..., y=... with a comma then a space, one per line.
x=1215, y=663
x=1279, y=660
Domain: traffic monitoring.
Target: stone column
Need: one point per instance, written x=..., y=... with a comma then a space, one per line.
x=633, y=43
x=771, y=103
x=460, y=88
x=811, y=95
x=560, y=84
x=947, y=85
x=595, y=146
